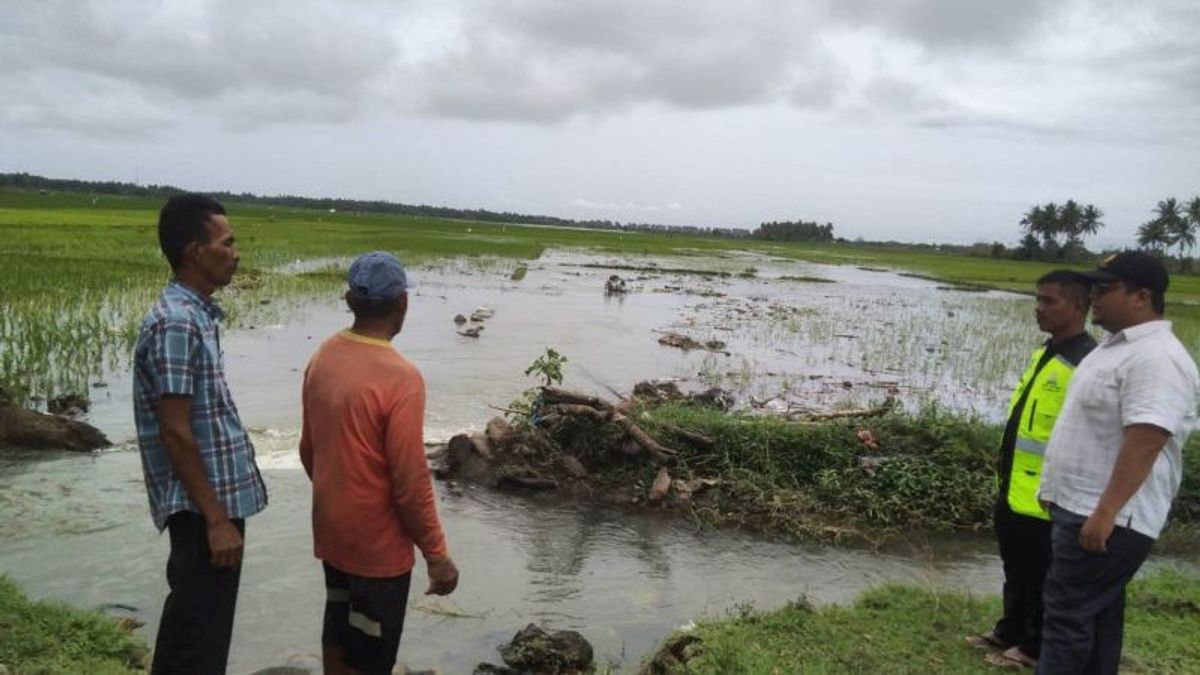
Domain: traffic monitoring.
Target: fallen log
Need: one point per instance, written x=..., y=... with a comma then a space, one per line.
x=888, y=405
x=579, y=410
x=552, y=395
x=656, y=450
x=690, y=436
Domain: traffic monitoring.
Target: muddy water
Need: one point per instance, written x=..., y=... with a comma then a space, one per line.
x=77, y=528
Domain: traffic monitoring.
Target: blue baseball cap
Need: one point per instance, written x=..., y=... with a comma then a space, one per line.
x=378, y=275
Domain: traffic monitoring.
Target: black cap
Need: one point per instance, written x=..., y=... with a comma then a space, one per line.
x=1138, y=268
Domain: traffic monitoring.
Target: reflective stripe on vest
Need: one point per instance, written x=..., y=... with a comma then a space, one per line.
x=1046, y=396
x=1031, y=446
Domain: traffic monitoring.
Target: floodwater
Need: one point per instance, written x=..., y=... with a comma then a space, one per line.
x=77, y=528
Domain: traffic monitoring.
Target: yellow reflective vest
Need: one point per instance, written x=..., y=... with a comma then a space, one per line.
x=1047, y=391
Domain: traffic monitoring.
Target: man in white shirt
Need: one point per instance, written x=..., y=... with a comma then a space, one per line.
x=1114, y=464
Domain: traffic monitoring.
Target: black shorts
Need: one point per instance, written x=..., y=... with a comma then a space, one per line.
x=364, y=617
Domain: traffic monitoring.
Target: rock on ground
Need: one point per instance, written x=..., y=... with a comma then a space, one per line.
x=534, y=650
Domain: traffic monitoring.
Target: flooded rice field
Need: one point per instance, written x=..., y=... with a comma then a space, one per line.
x=782, y=336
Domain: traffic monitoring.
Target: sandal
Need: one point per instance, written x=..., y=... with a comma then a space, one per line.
x=1012, y=657
x=985, y=641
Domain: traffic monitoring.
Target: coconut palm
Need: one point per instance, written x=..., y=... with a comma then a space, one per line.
x=1177, y=229
x=1186, y=230
x=1153, y=235
x=1032, y=221
x=1069, y=218
x=1090, y=223
x=1049, y=224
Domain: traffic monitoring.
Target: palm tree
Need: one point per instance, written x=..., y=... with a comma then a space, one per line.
x=1031, y=222
x=1192, y=215
x=1170, y=214
x=1090, y=223
x=1069, y=218
x=1049, y=224
x=1193, y=211
x=1153, y=235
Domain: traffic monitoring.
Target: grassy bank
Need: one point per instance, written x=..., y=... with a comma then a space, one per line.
x=846, y=479
x=45, y=638
x=906, y=629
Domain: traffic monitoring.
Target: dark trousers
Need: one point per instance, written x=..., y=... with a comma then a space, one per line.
x=1085, y=598
x=197, y=618
x=1025, y=551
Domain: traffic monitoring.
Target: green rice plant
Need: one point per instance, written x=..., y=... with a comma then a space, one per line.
x=52, y=639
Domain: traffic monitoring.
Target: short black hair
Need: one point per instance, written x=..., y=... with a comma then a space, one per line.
x=371, y=308
x=1158, y=298
x=1074, y=285
x=182, y=221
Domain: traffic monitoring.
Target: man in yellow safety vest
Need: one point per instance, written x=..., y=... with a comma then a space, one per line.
x=1022, y=525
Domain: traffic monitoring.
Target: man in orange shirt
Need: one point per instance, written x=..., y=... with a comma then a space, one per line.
x=363, y=448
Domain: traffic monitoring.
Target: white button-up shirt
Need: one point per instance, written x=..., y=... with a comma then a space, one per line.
x=1140, y=375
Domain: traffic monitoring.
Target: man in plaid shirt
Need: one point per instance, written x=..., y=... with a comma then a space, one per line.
x=197, y=458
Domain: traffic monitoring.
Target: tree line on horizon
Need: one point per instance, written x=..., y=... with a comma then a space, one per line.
x=116, y=188
x=799, y=230
x=1056, y=231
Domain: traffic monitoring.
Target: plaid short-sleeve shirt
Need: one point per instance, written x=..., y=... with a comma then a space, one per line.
x=179, y=352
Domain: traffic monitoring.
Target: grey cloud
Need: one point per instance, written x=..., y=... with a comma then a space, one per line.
x=243, y=65
x=902, y=96
x=187, y=58
x=953, y=23
x=545, y=60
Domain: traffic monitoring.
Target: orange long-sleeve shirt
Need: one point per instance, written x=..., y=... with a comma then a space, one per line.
x=362, y=445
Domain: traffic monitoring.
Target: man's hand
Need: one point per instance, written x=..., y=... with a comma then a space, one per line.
x=443, y=576
x=1094, y=534
x=224, y=544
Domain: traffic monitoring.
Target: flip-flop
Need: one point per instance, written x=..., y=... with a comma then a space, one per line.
x=1012, y=657
x=985, y=641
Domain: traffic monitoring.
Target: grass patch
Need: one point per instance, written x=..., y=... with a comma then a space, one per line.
x=907, y=629
x=49, y=638
x=929, y=471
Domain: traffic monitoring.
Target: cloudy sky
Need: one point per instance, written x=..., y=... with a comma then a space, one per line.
x=916, y=120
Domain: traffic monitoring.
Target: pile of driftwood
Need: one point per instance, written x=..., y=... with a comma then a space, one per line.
x=556, y=403
x=548, y=453
x=540, y=455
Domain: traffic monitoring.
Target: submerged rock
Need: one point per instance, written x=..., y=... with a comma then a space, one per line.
x=464, y=460
x=533, y=649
